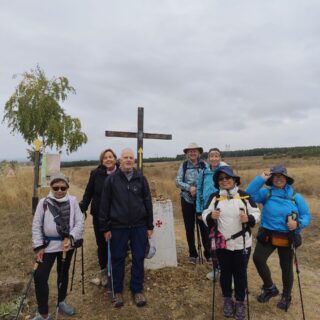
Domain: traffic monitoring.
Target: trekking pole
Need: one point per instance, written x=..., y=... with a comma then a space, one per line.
x=64, y=255
x=293, y=248
x=110, y=275
x=26, y=291
x=82, y=268
x=245, y=253
x=214, y=265
x=199, y=242
x=73, y=268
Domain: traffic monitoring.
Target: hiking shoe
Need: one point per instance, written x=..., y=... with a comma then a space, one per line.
x=240, y=313
x=104, y=277
x=117, y=300
x=66, y=309
x=192, y=260
x=284, y=303
x=267, y=293
x=139, y=299
x=228, y=307
x=40, y=317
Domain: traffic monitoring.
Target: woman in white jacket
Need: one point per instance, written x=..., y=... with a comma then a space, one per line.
x=230, y=215
x=57, y=227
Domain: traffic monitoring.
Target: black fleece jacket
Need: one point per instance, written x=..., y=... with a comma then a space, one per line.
x=125, y=204
x=94, y=190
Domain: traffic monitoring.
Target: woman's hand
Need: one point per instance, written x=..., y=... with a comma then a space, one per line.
x=66, y=245
x=193, y=191
x=215, y=214
x=107, y=235
x=292, y=224
x=243, y=217
x=266, y=174
x=149, y=233
x=39, y=255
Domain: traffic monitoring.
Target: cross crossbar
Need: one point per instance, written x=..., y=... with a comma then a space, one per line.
x=139, y=135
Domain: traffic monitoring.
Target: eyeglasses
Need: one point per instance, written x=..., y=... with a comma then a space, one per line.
x=59, y=188
x=221, y=178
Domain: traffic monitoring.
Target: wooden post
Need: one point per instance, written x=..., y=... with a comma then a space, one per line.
x=35, y=197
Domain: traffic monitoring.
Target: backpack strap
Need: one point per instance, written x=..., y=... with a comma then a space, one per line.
x=201, y=164
x=184, y=169
x=293, y=198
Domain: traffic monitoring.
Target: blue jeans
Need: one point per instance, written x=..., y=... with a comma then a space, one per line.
x=119, y=246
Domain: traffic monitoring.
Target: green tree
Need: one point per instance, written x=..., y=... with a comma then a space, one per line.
x=35, y=111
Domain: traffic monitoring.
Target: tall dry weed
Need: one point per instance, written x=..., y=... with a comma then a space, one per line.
x=16, y=191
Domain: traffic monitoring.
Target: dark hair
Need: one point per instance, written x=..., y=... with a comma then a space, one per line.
x=104, y=152
x=215, y=150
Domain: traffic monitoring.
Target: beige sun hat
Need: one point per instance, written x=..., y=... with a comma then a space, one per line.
x=193, y=145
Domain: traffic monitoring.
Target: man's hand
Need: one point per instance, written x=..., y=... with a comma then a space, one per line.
x=107, y=235
x=149, y=233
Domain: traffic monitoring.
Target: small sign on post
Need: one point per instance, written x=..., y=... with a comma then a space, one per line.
x=35, y=197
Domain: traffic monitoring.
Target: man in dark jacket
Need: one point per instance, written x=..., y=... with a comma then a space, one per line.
x=126, y=215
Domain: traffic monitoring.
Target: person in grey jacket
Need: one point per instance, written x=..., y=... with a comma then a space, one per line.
x=57, y=227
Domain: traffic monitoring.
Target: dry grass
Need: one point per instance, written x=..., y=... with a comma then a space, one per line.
x=181, y=293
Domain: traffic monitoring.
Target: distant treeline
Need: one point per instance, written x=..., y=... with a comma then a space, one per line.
x=293, y=152
x=84, y=163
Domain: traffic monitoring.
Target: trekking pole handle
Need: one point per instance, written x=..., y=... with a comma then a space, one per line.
x=64, y=252
x=243, y=211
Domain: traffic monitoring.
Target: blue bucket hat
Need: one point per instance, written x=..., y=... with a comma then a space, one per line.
x=279, y=170
x=229, y=172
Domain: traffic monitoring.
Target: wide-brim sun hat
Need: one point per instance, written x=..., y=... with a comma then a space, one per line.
x=229, y=172
x=150, y=249
x=58, y=176
x=279, y=169
x=191, y=146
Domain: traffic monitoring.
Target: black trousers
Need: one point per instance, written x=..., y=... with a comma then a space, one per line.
x=102, y=249
x=189, y=218
x=260, y=257
x=233, y=264
x=42, y=275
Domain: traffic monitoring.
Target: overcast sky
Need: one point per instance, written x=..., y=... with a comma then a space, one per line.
x=238, y=73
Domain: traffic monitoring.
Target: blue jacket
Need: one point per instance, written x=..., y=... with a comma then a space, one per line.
x=190, y=179
x=278, y=205
x=205, y=187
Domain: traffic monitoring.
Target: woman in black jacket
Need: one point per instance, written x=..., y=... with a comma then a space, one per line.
x=108, y=165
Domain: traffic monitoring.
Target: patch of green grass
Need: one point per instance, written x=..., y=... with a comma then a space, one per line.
x=8, y=310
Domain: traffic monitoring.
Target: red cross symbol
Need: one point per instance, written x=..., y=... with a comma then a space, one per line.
x=158, y=223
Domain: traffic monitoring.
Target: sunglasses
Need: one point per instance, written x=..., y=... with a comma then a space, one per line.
x=221, y=178
x=59, y=188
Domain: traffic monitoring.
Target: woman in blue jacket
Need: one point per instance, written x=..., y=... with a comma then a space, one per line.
x=284, y=214
x=206, y=187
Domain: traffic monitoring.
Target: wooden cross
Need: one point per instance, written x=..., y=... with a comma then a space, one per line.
x=140, y=135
